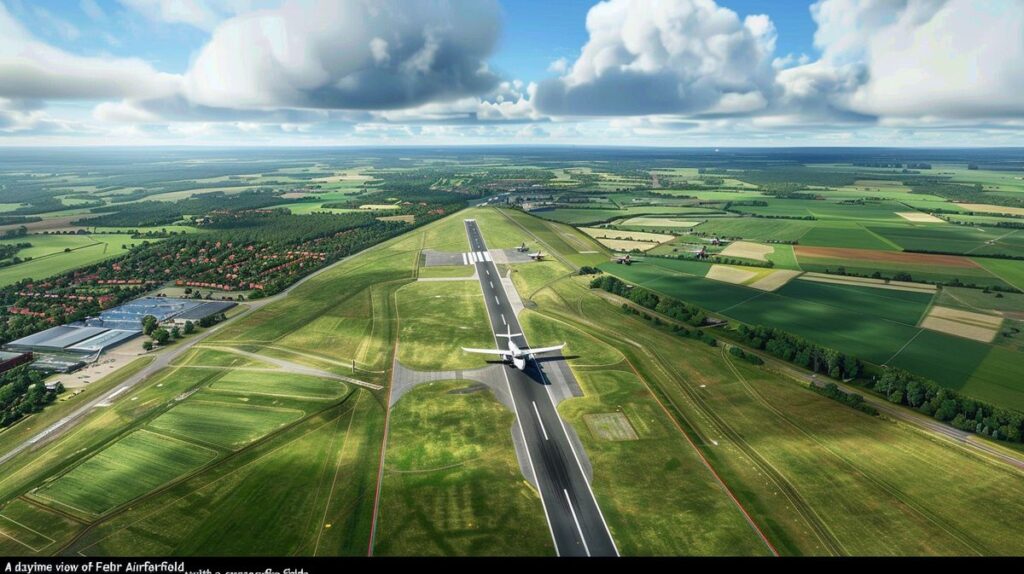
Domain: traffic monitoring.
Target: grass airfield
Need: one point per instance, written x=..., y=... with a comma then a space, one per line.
x=717, y=447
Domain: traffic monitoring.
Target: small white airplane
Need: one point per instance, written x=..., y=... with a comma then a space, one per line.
x=538, y=256
x=514, y=354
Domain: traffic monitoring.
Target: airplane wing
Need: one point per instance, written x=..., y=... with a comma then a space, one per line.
x=540, y=350
x=485, y=351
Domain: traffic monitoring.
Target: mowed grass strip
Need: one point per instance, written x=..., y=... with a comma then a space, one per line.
x=227, y=425
x=30, y=528
x=282, y=384
x=452, y=486
x=438, y=318
x=129, y=468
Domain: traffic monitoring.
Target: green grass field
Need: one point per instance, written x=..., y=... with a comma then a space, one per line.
x=460, y=493
x=447, y=271
x=904, y=307
x=1010, y=271
x=323, y=471
x=288, y=385
x=655, y=494
x=816, y=476
x=967, y=240
x=783, y=257
x=854, y=237
x=29, y=529
x=129, y=468
x=50, y=258
x=222, y=424
x=436, y=320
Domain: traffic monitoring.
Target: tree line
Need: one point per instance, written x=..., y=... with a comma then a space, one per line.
x=896, y=385
x=23, y=392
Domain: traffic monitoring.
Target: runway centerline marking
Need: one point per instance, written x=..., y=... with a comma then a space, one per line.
x=576, y=520
x=496, y=300
x=539, y=421
x=503, y=321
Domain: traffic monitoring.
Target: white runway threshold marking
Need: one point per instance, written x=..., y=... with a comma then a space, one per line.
x=540, y=422
x=465, y=259
x=487, y=256
x=577, y=521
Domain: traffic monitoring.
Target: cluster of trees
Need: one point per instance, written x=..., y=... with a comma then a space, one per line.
x=745, y=356
x=22, y=392
x=678, y=329
x=162, y=336
x=800, y=351
x=12, y=219
x=907, y=277
x=10, y=249
x=746, y=262
x=904, y=388
x=667, y=306
x=852, y=400
x=152, y=213
x=962, y=192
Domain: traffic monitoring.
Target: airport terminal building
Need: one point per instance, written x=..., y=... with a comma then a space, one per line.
x=66, y=348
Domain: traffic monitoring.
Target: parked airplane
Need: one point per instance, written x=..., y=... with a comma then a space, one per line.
x=514, y=354
x=538, y=256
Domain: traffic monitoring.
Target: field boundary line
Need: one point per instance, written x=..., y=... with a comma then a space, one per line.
x=56, y=502
x=893, y=491
x=25, y=544
x=734, y=305
x=704, y=460
x=905, y=345
x=224, y=459
x=387, y=427
x=337, y=471
x=882, y=238
x=187, y=442
x=32, y=530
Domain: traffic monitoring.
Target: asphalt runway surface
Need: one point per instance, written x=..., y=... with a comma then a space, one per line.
x=577, y=525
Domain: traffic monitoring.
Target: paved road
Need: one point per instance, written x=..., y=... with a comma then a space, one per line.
x=577, y=525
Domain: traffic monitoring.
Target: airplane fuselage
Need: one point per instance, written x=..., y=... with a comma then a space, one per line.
x=514, y=355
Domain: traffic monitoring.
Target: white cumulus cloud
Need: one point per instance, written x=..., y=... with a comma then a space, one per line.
x=664, y=57
x=348, y=54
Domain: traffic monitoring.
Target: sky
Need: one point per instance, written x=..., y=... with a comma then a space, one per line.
x=704, y=73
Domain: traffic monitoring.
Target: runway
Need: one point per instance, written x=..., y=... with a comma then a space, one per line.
x=577, y=525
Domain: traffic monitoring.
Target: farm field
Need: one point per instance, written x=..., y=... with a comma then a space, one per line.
x=878, y=325
x=277, y=432
x=920, y=266
x=809, y=436
x=961, y=239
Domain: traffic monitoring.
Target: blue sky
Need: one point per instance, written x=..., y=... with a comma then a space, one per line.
x=646, y=72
